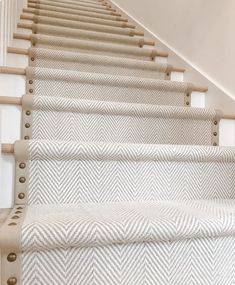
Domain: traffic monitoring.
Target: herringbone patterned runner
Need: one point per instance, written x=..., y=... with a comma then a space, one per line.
x=97, y=47
x=87, y=120
x=107, y=87
x=49, y=58
x=79, y=18
x=68, y=172
x=117, y=180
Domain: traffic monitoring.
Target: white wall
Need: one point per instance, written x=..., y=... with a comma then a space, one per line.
x=202, y=32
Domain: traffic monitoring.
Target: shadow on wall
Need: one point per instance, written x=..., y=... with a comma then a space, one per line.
x=201, y=32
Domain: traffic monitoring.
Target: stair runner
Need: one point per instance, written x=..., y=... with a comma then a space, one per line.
x=117, y=179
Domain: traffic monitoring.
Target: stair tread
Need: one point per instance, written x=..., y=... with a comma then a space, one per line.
x=93, y=46
x=94, y=59
x=124, y=151
x=68, y=60
x=77, y=18
x=87, y=225
x=83, y=25
x=72, y=4
x=47, y=5
x=109, y=79
x=60, y=104
x=75, y=33
x=76, y=12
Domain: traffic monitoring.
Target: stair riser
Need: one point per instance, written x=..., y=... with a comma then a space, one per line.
x=48, y=58
x=87, y=35
x=93, y=47
x=102, y=87
x=179, y=262
x=98, y=127
x=111, y=181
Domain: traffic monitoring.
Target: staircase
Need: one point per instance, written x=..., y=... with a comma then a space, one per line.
x=118, y=180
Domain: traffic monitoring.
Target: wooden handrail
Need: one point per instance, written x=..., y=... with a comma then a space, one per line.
x=7, y=148
x=7, y=100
